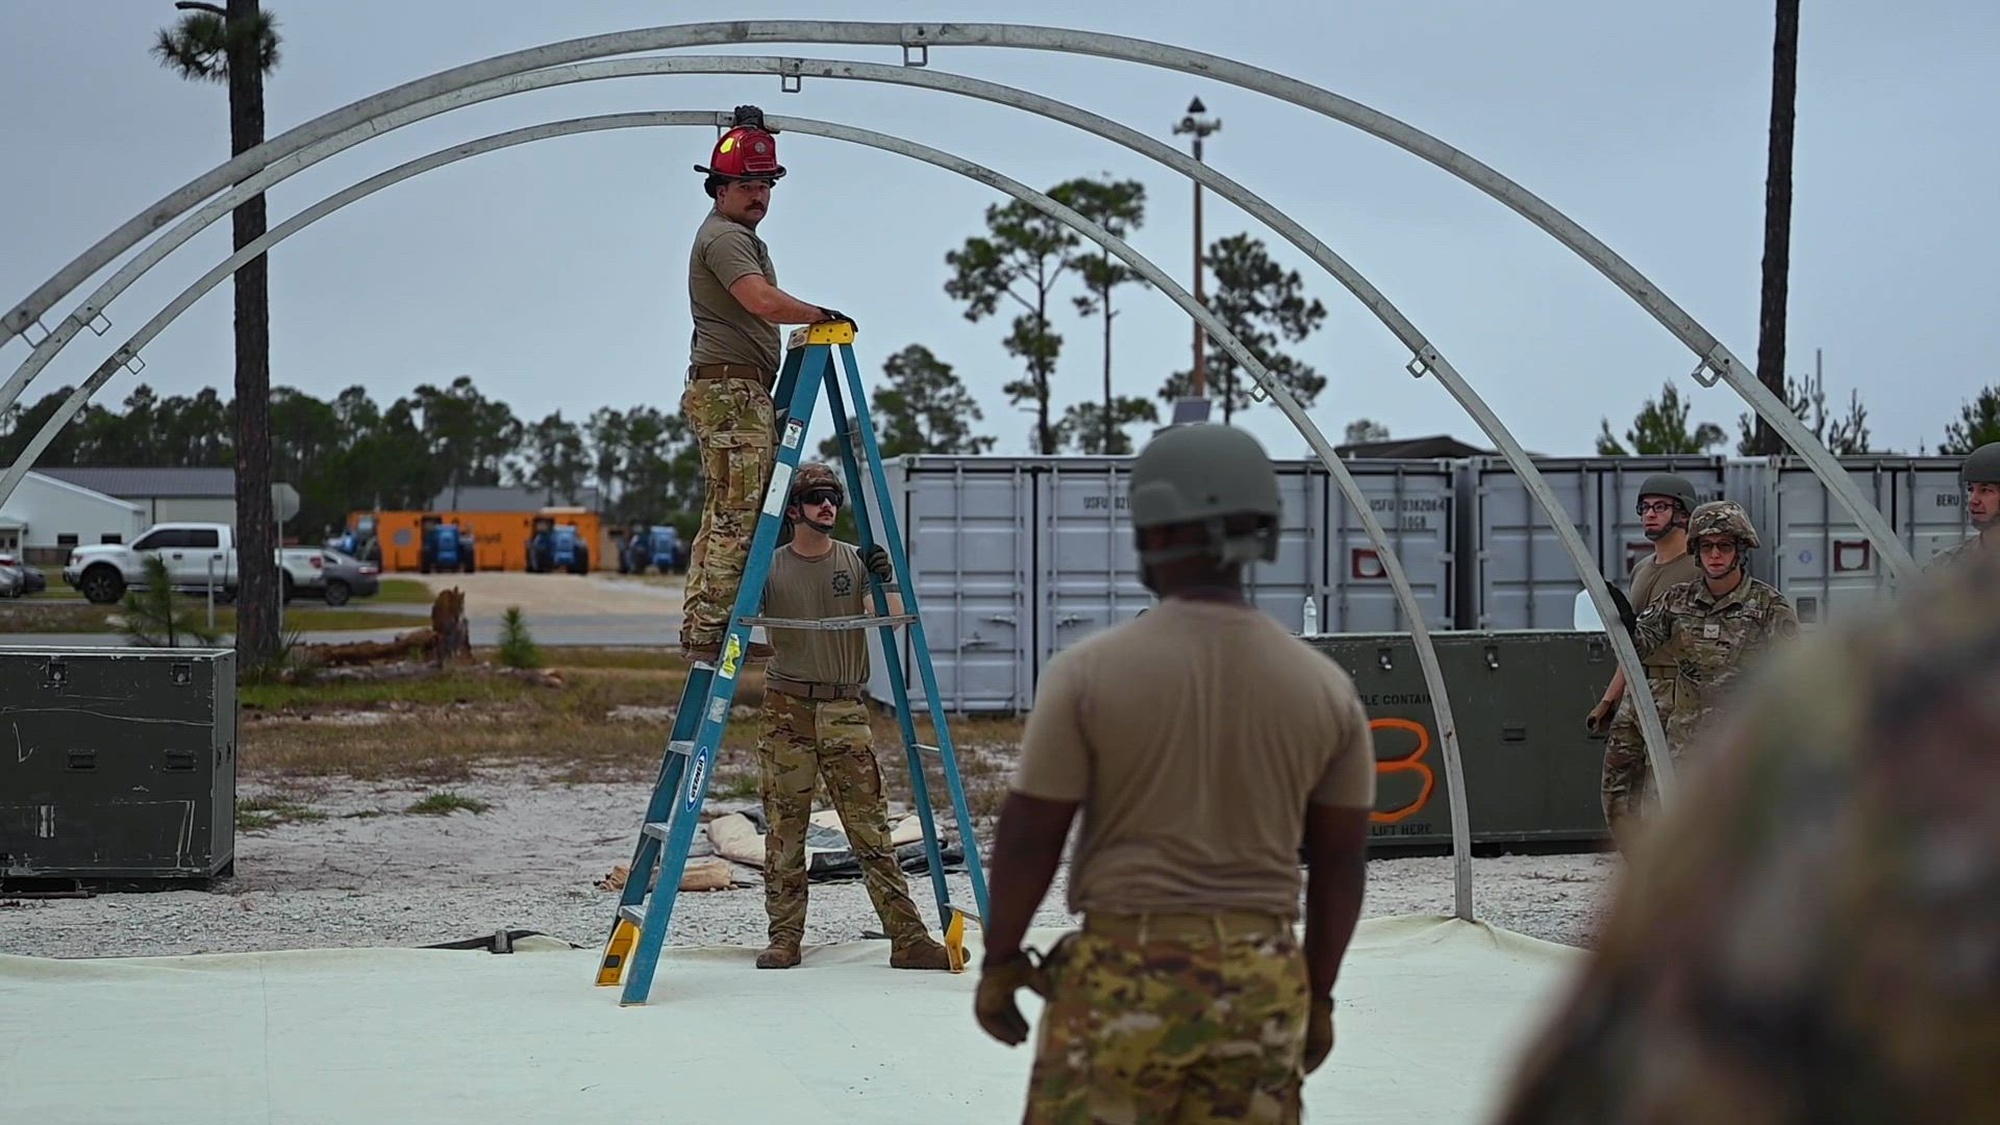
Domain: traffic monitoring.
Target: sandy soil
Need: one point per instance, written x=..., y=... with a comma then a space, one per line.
x=371, y=873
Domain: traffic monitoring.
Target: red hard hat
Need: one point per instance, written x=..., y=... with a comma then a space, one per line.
x=745, y=153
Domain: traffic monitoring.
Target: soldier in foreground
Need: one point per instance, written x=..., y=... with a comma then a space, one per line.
x=1201, y=742
x=732, y=367
x=1809, y=934
x=1713, y=628
x=816, y=725
x=1666, y=503
x=1980, y=476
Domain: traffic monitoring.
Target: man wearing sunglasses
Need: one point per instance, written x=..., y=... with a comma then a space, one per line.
x=1666, y=502
x=816, y=725
x=1714, y=627
x=733, y=363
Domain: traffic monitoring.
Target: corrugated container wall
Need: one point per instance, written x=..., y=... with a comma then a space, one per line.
x=1015, y=559
x=1517, y=574
x=1813, y=550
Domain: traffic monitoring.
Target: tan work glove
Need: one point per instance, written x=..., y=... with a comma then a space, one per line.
x=993, y=1004
x=1600, y=715
x=1319, y=1033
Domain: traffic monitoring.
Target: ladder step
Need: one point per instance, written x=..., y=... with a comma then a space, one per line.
x=657, y=829
x=633, y=914
x=830, y=624
x=683, y=747
x=926, y=748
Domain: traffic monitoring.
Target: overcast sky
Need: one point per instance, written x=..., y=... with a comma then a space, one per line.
x=554, y=273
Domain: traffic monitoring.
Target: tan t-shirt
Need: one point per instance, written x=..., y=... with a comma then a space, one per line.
x=1194, y=735
x=724, y=252
x=1651, y=580
x=834, y=585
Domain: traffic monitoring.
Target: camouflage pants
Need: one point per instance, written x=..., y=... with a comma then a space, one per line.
x=1174, y=1029
x=803, y=741
x=733, y=423
x=1627, y=773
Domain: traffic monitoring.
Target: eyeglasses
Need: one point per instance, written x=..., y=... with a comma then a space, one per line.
x=813, y=498
x=1646, y=506
x=1716, y=546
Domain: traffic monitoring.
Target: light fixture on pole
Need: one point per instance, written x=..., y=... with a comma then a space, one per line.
x=1200, y=127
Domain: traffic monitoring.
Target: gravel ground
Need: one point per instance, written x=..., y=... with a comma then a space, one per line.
x=370, y=874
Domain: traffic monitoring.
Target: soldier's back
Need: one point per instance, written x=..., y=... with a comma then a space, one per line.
x=1810, y=933
x=1196, y=735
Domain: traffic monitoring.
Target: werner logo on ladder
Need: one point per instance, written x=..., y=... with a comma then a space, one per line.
x=638, y=933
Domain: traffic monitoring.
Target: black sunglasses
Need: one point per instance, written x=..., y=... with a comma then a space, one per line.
x=817, y=496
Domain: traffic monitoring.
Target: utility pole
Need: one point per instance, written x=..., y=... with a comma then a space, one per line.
x=1778, y=216
x=1200, y=127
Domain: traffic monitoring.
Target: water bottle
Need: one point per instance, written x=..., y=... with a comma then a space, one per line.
x=1312, y=619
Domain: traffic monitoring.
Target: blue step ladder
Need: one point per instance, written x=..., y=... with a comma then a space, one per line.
x=639, y=930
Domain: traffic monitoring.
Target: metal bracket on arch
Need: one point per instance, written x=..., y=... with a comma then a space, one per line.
x=916, y=48
x=791, y=77
x=1421, y=364
x=1709, y=371
x=131, y=361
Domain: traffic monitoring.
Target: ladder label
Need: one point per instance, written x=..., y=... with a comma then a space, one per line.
x=717, y=708
x=697, y=778
x=732, y=653
x=794, y=429
x=781, y=486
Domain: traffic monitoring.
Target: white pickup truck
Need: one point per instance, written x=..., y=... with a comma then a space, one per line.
x=198, y=556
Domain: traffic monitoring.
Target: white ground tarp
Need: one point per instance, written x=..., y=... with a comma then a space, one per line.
x=1432, y=1013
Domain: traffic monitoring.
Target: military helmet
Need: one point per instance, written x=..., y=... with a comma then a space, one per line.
x=1723, y=517
x=1981, y=466
x=1204, y=473
x=1669, y=485
x=816, y=474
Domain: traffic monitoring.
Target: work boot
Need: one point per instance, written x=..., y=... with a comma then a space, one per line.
x=920, y=951
x=782, y=953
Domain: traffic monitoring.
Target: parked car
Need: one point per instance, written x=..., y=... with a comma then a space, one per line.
x=21, y=578
x=343, y=577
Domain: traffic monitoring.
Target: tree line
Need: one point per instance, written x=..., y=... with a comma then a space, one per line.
x=1663, y=425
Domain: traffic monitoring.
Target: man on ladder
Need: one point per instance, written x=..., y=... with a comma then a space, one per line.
x=733, y=361
x=815, y=724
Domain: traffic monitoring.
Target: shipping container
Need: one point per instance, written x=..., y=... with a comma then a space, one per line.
x=1814, y=551
x=1023, y=556
x=1514, y=573
x=1930, y=507
x=500, y=539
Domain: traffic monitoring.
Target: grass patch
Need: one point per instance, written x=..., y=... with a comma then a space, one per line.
x=67, y=615
x=403, y=591
x=444, y=804
x=257, y=813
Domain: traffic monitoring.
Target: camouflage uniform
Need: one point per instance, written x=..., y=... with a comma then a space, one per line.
x=1181, y=1027
x=803, y=740
x=1627, y=772
x=1711, y=638
x=1811, y=934
x=1956, y=553
x=733, y=423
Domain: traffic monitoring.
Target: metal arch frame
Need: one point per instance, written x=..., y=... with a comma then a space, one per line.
x=1454, y=773
x=1428, y=358
x=1713, y=355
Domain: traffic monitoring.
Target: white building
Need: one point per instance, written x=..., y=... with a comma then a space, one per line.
x=45, y=517
x=167, y=495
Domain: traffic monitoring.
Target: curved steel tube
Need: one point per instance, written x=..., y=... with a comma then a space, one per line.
x=1714, y=357
x=1454, y=772
x=1428, y=358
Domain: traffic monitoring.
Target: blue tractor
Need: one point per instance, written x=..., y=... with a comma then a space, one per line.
x=556, y=546
x=359, y=541
x=446, y=547
x=655, y=546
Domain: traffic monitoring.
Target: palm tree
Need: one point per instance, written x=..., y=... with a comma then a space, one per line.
x=1778, y=216
x=238, y=45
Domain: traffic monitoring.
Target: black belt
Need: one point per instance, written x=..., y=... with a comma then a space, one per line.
x=733, y=371
x=811, y=691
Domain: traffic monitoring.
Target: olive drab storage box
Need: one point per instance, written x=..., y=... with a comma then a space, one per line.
x=1518, y=697
x=119, y=762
